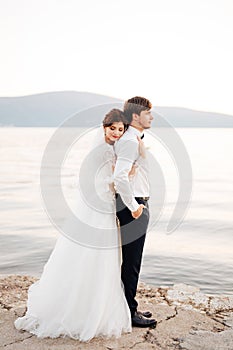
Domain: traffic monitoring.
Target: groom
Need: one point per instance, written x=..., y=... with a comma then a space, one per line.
x=132, y=194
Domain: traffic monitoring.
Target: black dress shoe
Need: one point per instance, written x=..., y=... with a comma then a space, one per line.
x=140, y=321
x=146, y=314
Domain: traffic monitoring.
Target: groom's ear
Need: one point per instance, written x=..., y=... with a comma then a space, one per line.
x=135, y=116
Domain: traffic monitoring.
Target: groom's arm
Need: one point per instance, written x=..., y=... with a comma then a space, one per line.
x=127, y=153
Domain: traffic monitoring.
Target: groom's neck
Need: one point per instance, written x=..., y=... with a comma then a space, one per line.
x=138, y=127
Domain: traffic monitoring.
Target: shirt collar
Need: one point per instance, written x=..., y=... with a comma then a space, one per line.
x=135, y=131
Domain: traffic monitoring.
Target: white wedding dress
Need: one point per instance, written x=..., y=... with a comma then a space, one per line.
x=80, y=293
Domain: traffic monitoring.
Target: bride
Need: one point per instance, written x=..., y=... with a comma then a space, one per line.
x=80, y=293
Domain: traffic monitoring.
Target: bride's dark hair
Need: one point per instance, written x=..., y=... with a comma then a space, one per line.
x=115, y=116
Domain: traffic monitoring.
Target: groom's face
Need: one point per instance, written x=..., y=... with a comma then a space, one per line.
x=145, y=119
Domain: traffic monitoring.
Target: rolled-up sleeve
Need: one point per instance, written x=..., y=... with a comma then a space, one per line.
x=127, y=153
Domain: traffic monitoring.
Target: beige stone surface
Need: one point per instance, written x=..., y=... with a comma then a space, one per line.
x=187, y=319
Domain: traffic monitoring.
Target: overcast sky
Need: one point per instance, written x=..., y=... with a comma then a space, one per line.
x=175, y=52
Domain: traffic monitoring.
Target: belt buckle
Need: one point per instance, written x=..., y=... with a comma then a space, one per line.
x=144, y=198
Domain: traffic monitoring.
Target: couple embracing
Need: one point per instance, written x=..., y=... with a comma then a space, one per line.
x=84, y=291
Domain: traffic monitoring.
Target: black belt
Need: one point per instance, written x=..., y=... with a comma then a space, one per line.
x=142, y=198
x=139, y=198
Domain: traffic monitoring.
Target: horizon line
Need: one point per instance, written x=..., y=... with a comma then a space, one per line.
x=115, y=98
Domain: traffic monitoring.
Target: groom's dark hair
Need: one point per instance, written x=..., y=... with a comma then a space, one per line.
x=136, y=105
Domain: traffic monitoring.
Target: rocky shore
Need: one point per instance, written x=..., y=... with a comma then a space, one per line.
x=187, y=319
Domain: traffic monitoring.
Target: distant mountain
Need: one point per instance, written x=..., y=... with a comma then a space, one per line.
x=52, y=108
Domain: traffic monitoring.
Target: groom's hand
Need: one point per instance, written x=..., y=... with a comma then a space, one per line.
x=137, y=213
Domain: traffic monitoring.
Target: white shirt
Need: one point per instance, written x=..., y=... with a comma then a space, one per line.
x=127, y=153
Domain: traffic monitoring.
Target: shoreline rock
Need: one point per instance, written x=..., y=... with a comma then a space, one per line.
x=187, y=319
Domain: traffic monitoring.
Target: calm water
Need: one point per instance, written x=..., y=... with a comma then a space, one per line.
x=199, y=252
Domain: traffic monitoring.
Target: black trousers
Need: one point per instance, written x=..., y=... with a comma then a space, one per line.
x=133, y=234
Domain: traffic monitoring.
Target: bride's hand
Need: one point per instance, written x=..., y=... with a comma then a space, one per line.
x=133, y=170
x=141, y=147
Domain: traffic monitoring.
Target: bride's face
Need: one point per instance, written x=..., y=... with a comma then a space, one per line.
x=114, y=132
